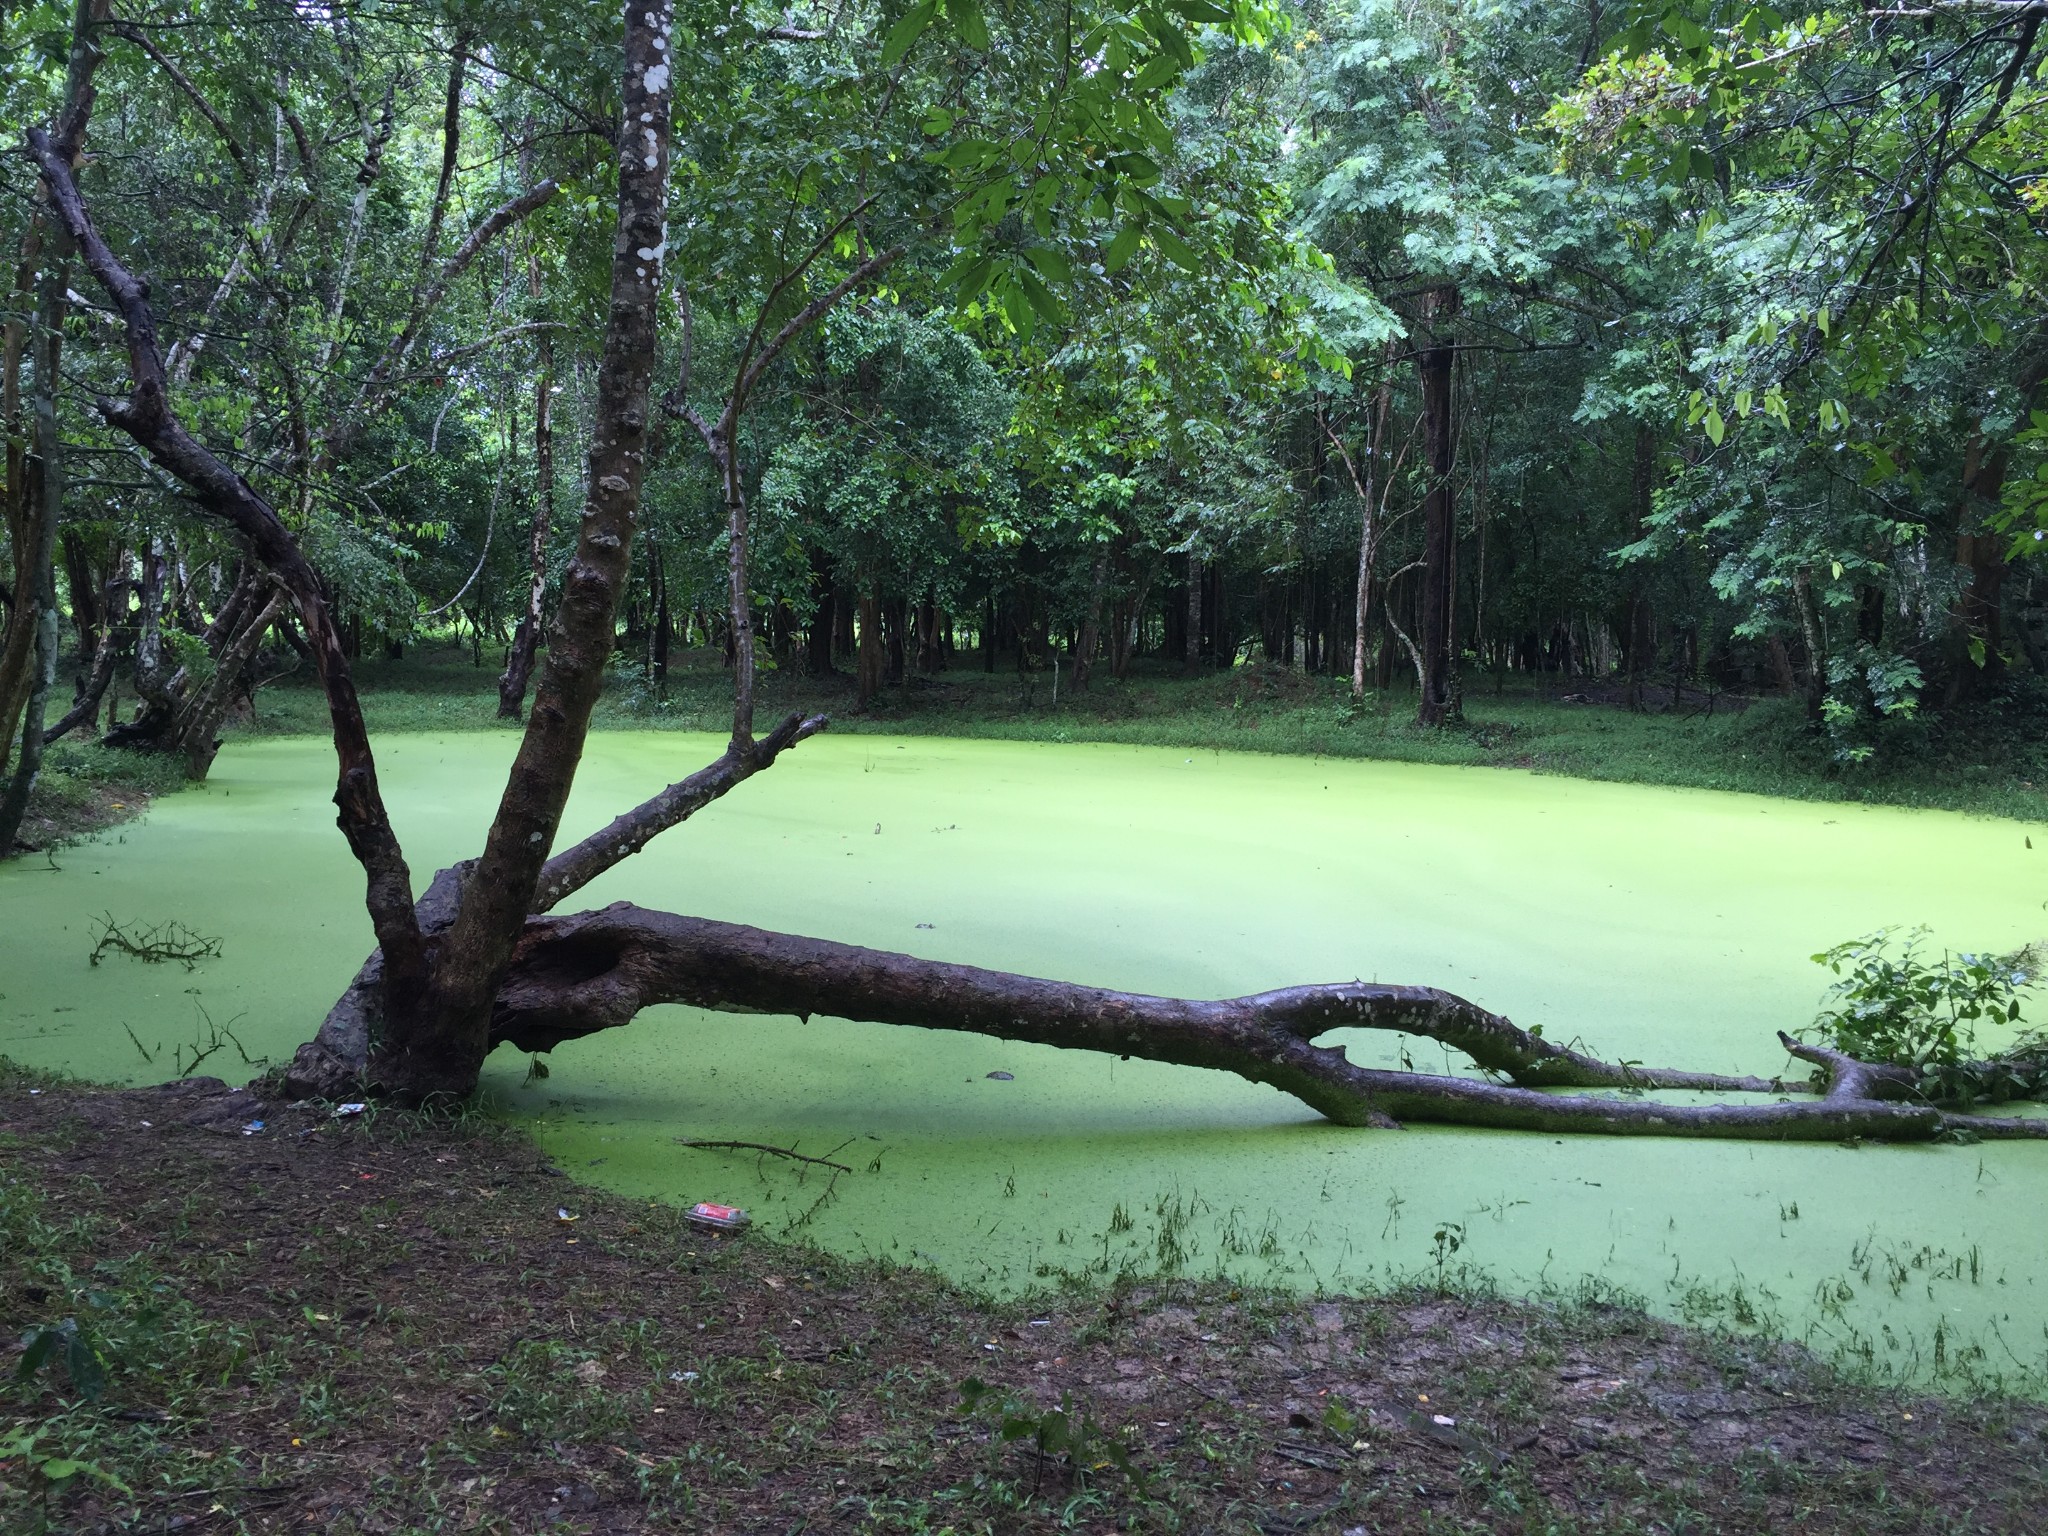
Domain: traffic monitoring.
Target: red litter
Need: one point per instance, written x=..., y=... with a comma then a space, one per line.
x=729, y=1218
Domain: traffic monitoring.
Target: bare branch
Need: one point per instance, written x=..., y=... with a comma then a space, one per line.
x=802, y=320
x=192, y=93
x=781, y=285
x=380, y=380
x=571, y=870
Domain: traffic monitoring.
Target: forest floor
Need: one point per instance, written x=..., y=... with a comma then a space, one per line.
x=387, y=1324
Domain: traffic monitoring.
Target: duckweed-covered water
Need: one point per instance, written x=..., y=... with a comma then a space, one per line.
x=1660, y=925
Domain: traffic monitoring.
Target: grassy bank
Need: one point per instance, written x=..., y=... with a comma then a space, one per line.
x=387, y=1325
x=1996, y=766
x=86, y=788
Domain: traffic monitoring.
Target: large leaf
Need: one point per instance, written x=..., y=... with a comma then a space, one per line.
x=904, y=35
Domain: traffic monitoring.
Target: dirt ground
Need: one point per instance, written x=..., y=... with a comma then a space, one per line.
x=382, y=1323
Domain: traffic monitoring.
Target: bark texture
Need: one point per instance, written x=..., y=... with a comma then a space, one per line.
x=444, y=1045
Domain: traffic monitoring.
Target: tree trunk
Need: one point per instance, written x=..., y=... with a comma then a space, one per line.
x=1191, y=635
x=192, y=734
x=526, y=638
x=116, y=636
x=895, y=620
x=869, y=666
x=575, y=976
x=435, y=1044
x=1091, y=626
x=1642, y=489
x=824, y=618
x=37, y=597
x=87, y=618
x=1439, y=535
x=1816, y=688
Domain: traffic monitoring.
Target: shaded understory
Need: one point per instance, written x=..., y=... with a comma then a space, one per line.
x=385, y=1324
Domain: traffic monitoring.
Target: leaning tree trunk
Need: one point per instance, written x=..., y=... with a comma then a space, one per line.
x=438, y=1046
x=575, y=976
x=192, y=732
x=113, y=639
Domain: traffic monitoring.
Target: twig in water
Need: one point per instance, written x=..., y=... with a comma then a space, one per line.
x=154, y=944
x=761, y=1146
x=147, y=1054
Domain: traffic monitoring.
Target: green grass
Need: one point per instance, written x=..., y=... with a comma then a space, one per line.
x=1992, y=763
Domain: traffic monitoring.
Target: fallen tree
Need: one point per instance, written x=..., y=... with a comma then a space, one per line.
x=479, y=960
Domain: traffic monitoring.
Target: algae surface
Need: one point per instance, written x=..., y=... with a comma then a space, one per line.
x=1658, y=925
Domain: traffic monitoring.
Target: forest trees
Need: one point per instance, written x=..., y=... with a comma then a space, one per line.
x=1079, y=141
x=1106, y=392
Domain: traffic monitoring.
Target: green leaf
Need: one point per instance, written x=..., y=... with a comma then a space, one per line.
x=967, y=18
x=969, y=153
x=1040, y=297
x=1122, y=248
x=904, y=35
x=1052, y=263
x=1716, y=427
x=1176, y=250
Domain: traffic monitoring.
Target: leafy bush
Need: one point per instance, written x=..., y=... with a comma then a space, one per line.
x=1902, y=1007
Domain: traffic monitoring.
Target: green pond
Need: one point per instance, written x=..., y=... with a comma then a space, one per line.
x=1660, y=925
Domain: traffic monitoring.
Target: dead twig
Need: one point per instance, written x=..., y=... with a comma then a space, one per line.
x=761, y=1146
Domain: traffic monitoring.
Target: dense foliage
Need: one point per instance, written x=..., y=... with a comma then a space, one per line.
x=1116, y=333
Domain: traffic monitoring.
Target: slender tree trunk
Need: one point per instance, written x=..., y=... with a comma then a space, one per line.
x=1816, y=644
x=526, y=638
x=1439, y=538
x=1191, y=661
x=658, y=630
x=824, y=619
x=115, y=637
x=87, y=619
x=1642, y=489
